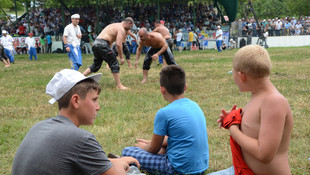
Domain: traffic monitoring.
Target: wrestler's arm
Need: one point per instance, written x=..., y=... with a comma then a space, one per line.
x=139, y=49
x=152, y=146
x=132, y=35
x=272, y=122
x=119, y=42
x=162, y=50
x=156, y=30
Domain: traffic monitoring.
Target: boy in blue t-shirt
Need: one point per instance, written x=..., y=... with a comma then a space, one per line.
x=180, y=142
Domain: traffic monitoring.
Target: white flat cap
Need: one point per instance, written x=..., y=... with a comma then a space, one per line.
x=75, y=16
x=64, y=80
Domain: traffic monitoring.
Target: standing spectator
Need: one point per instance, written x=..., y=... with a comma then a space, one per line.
x=287, y=26
x=21, y=29
x=43, y=42
x=292, y=28
x=278, y=27
x=219, y=38
x=49, y=43
x=72, y=40
x=46, y=29
x=299, y=29
x=179, y=40
x=190, y=39
x=31, y=46
x=7, y=42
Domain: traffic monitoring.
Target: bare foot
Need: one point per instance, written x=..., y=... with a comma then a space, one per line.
x=129, y=65
x=7, y=65
x=122, y=61
x=121, y=87
x=143, y=81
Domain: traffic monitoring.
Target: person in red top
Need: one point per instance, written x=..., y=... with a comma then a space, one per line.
x=21, y=29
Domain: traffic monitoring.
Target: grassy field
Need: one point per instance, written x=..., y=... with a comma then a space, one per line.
x=126, y=115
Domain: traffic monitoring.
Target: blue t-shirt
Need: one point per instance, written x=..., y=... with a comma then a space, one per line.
x=49, y=39
x=185, y=125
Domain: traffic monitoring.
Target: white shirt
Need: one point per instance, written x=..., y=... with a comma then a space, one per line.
x=179, y=36
x=7, y=42
x=71, y=32
x=218, y=33
x=30, y=42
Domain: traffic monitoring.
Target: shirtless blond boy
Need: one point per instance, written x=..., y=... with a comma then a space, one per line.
x=102, y=48
x=158, y=47
x=267, y=121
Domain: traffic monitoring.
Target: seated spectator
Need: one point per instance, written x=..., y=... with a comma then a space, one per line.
x=175, y=148
x=57, y=145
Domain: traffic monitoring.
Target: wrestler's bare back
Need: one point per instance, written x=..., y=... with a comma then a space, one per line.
x=163, y=31
x=112, y=31
x=155, y=40
x=255, y=127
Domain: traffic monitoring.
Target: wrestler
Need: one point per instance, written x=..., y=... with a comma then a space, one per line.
x=102, y=48
x=164, y=31
x=125, y=49
x=158, y=47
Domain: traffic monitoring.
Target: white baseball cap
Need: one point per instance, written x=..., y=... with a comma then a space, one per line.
x=64, y=80
x=218, y=27
x=4, y=32
x=75, y=16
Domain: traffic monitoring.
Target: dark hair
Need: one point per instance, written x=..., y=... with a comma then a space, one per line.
x=81, y=89
x=172, y=77
x=157, y=22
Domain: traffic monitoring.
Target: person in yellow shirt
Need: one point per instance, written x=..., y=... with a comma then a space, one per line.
x=190, y=39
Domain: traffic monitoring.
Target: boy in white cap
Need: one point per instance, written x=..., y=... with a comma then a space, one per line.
x=31, y=46
x=72, y=41
x=7, y=42
x=57, y=145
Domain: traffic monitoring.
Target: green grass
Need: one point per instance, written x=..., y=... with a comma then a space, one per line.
x=126, y=115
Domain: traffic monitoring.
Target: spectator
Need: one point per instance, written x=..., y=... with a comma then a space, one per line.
x=49, y=43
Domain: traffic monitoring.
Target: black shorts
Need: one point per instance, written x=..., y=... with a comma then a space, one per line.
x=125, y=50
x=102, y=51
x=170, y=43
x=148, y=57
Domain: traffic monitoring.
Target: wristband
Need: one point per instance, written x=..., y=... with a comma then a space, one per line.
x=66, y=45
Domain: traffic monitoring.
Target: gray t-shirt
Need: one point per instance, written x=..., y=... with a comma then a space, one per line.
x=57, y=146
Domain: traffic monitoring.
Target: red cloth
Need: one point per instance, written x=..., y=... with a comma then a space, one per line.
x=234, y=117
x=241, y=168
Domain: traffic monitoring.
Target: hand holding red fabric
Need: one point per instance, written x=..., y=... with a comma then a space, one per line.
x=234, y=117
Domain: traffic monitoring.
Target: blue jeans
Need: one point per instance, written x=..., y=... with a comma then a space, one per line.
x=218, y=45
x=10, y=54
x=228, y=171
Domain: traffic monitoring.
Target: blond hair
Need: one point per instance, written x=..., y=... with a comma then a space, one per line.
x=253, y=60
